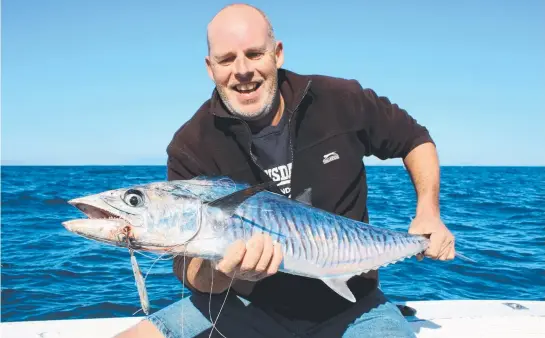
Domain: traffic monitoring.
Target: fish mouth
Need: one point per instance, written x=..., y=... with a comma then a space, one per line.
x=93, y=211
x=107, y=230
x=105, y=224
x=102, y=224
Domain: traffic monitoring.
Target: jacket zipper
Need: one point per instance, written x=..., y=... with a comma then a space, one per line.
x=290, y=132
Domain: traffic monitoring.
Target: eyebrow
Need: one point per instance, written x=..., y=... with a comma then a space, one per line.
x=260, y=49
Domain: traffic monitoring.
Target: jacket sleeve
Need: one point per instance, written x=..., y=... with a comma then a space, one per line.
x=388, y=130
x=181, y=165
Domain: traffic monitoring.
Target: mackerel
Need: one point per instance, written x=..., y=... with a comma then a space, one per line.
x=201, y=217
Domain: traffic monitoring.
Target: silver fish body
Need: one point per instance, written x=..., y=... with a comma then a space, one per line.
x=315, y=243
x=203, y=216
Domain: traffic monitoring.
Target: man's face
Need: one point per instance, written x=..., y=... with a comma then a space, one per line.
x=243, y=63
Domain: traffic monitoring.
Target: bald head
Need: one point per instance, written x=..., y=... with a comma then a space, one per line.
x=243, y=61
x=238, y=17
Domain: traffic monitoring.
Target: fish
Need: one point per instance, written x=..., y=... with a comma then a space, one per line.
x=202, y=216
x=140, y=284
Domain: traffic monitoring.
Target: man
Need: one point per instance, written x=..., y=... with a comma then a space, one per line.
x=264, y=122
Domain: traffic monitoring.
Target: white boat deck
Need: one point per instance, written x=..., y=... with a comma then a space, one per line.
x=478, y=318
x=457, y=318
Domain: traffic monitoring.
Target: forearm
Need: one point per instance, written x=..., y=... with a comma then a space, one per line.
x=198, y=275
x=422, y=163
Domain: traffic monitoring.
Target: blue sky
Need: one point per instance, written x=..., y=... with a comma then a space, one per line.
x=109, y=82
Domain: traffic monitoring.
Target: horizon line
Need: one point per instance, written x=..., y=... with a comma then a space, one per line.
x=164, y=165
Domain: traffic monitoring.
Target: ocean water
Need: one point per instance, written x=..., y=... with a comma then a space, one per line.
x=497, y=215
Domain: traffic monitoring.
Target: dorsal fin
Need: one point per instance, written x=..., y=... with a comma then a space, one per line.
x=305, y=196
x=230, y=202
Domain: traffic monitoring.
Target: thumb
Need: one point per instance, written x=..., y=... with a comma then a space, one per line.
x=413, y=230
x=233, y=256
x=416, y=229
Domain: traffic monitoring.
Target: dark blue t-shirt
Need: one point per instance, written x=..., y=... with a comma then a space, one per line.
x=272, y=148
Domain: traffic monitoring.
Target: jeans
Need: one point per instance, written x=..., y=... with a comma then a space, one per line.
x=371, y=316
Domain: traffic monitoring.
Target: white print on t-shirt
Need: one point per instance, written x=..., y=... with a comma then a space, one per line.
x=282, y=175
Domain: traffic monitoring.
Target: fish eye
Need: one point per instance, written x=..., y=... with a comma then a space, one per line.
x=134, y=198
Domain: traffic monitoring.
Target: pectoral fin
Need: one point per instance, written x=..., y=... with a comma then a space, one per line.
x=339, y=286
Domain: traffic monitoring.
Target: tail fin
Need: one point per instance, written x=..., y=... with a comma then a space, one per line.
x=457, y=254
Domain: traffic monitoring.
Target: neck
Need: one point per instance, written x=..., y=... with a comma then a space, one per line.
x=279, y=111
x=271, y=119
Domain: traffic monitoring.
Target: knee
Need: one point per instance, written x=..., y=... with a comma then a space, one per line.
x=383, y=321
x=397, y=327
x=143, y=329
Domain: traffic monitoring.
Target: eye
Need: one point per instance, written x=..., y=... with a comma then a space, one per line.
x=254, y=55
x=134, y=198
x=226, y=62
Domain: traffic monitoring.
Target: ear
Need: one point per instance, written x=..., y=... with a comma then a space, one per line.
x=209, y=67
x=279, y=52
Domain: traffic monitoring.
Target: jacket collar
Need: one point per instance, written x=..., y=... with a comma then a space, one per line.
x=293, y=87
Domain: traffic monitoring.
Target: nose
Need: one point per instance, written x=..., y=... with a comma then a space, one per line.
x=243, y=69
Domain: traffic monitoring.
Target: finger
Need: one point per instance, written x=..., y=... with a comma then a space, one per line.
x=266, y=255
x=254, y=248
x=276, y=259
x=415, y=230
x=419, y=256
x=447, y=246
x=436, y=242
x=449, y=253
x=452, y=253
x=232, y=258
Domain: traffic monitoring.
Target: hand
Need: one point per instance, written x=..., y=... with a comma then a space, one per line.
x=441, y=239
x=253, y=261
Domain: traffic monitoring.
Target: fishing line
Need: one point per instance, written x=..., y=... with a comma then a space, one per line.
x=155, y=261
x=210, y=302
x=183, y=288
x=136, y=273
x=224, y=300
x=151, y=257
x=139, y=280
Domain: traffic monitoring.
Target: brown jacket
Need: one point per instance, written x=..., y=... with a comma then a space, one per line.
x=327, y=115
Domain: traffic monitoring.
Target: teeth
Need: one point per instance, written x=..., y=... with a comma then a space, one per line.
x=246, y=86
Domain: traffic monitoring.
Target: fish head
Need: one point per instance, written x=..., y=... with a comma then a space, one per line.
x=148, y=217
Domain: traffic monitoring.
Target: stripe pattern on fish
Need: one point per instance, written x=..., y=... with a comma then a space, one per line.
x=203, y=216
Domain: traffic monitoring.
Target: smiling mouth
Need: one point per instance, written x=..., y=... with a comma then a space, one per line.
x=247, y=88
